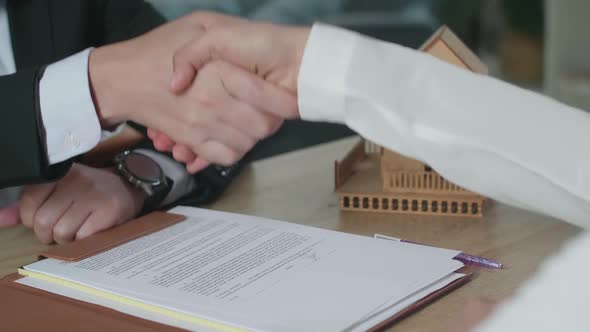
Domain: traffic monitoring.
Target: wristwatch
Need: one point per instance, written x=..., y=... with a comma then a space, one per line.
x=146, y=174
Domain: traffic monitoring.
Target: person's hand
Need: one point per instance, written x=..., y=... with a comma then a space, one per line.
x=180, y=152
x=236, y=124
x=273, y=52
x=86, y=201
x=130, y=81
x=475, y=312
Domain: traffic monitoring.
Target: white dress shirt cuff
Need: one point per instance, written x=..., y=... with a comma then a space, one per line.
x=108, y=134
x=184, y=183
x=67, y=110
x=323, y=74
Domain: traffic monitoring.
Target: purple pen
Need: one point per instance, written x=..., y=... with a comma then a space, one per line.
x=479, y=261
x=464, y=258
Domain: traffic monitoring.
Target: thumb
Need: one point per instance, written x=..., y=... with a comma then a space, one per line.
x=184, y=74
x=188, y=60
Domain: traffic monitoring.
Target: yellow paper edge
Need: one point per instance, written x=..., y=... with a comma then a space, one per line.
x=130, y=302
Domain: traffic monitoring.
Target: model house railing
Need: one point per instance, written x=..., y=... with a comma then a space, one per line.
x=419, y=182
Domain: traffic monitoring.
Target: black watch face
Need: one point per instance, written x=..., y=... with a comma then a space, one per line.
x=143, y=167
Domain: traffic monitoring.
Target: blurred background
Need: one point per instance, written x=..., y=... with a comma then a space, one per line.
x=539, y=44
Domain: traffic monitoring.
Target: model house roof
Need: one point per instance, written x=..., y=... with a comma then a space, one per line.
x=445, y=45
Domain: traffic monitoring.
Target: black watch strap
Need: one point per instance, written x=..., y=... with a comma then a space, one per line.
x=211, y=183
x=154, y=202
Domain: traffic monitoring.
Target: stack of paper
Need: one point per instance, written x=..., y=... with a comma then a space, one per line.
x=227, y=272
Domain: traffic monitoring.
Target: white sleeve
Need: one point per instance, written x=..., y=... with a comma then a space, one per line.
x=504, y=142
x=67, y=110
x=556, y=299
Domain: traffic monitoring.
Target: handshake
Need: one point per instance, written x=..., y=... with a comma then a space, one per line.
x=207, y=86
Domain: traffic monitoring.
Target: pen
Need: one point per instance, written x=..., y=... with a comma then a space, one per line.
x=464, y=258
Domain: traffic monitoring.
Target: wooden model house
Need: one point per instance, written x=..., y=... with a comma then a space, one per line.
x=373, y=179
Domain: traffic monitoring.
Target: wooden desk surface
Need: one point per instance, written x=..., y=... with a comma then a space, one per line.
x=298, y=187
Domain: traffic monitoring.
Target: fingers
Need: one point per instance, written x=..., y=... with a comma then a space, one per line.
x=219, y=42
x=188, y=60
x=180, y=152
x=233, y=138
x=244, y=120
x=234, y=109
x=255, y=123
x=183, y=154
x=257, y=92
x=152, y=133
x=197, y=165
x=32, y=198
x=215, y=44
x=272, y=52
x=163, y=143
x=67, y=227
x=183, y=75
x=98, y=221
x=219, y=153
x=196, y=136
x=51, y=212
x=59, y=212
x=10, y=216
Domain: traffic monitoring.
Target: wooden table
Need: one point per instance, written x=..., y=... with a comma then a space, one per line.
x=298, y=187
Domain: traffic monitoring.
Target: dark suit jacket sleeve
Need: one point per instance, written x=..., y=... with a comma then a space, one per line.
x=121, y=20
x=22, y=137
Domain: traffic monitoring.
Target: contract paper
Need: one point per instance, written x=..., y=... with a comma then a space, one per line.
x=258, y=274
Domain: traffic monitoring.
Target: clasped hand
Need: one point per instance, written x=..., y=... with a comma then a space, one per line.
x=247, y=72
x=218, y=114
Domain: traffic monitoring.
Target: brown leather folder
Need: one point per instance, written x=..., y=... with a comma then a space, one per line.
x=24, y=308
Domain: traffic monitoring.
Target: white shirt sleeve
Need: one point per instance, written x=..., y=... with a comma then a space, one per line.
x=556, y=299
x=504, y=142
x=67, y=110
